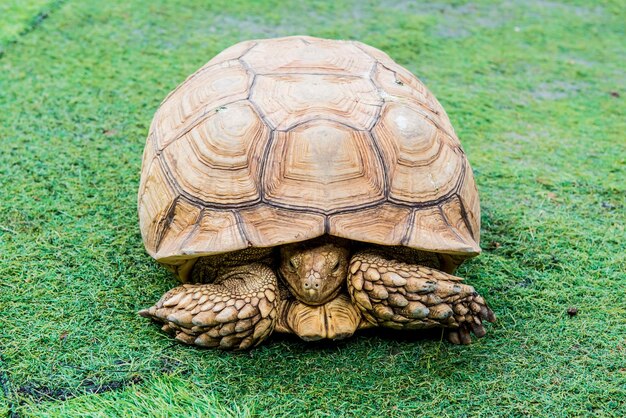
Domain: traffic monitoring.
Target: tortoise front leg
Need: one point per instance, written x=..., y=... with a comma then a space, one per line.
x=237, y=311
x=409, y=296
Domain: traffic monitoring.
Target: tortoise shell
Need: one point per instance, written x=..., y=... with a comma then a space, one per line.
x=283, y=140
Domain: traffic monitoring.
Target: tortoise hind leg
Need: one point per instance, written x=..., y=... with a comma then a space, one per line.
x=237, y=311
x=409, y=296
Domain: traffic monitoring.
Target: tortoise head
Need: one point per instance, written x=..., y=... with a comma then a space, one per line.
x=315, y=271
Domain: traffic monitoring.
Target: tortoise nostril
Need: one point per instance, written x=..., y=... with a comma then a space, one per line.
x=311, y=283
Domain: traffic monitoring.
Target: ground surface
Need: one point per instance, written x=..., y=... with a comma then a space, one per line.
x=536, y=92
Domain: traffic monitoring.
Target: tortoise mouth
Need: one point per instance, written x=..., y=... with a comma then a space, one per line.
x=309, y=297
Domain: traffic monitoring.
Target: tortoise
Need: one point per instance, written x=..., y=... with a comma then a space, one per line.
x=308, y=186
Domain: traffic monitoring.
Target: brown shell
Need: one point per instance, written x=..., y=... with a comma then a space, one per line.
x=283, y=140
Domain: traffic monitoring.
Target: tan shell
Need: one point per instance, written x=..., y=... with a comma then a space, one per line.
x=283, y=140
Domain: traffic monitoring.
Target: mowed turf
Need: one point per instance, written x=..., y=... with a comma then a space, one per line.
x=536, y=91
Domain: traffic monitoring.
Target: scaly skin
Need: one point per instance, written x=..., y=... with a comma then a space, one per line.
x=237, y=311
x=409, y=296
x=245, y=304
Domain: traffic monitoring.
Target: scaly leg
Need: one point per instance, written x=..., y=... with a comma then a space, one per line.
x=235, y=312
x=409, y=296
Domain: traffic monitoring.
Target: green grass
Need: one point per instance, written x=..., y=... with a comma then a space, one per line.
x=18, y=17
x=536, y=92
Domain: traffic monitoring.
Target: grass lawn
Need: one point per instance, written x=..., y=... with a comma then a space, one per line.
x=536, y=90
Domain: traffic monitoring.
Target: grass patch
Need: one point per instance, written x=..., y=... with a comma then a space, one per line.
x=19, y=17
x=536, y=92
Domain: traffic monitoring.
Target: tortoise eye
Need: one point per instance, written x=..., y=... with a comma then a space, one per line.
x=292, y=265
x=336, y=266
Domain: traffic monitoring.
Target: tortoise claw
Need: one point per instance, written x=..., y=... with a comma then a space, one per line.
x=453, y=337
x=145, y=313
x=465, y=336
x=478, y=330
